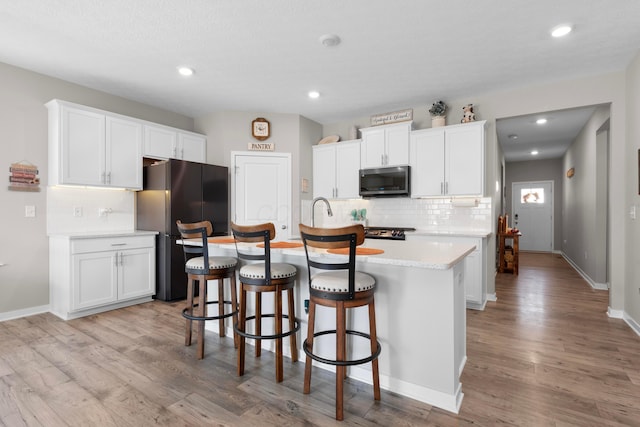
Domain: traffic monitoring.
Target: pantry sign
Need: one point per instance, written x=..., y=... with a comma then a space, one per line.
x=261, y=146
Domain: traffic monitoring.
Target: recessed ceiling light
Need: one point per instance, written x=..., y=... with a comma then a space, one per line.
x=314, y=94
x=561, y=30
x=185, y=71
x=513, y=136
x=534, y=153
x=330, y=40
x=541, y=121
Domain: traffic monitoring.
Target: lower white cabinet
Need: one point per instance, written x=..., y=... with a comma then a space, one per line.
x=88, y=275
x=475, y=280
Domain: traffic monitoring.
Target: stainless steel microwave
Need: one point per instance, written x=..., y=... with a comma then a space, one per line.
x=385, y=182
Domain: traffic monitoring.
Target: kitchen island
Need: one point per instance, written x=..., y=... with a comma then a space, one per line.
x=420, y=316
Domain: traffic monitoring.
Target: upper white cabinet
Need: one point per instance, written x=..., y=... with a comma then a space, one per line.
x=93, y=148
x=336, y=170
x=448, y=161
x=162, y=142
x=386, y=145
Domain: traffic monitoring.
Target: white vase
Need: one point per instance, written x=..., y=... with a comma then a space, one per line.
x=437, y=121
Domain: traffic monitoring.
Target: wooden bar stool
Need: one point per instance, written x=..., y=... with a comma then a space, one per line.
x=201, y=267
x=260, y=277
x=340, y=287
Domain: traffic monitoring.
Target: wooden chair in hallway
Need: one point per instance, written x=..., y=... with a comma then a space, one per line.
x=261, y=275
x=201, y=267
x=340, y=287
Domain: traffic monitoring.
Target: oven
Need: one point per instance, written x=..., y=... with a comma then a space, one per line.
x=388, y=233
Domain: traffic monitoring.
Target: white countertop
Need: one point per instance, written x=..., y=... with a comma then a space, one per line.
x=95, y=234
x=432, y=255
x=450, y=232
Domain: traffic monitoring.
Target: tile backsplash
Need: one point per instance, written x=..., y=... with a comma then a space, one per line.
x=422, y=214
x=78, y=210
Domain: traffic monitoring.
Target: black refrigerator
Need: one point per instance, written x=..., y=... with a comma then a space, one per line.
x=186, y=191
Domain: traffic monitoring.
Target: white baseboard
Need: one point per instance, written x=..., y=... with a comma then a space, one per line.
x=632, y=323
x=9, y=315
x=615, y=314
x=594, y=285
x=492, y=297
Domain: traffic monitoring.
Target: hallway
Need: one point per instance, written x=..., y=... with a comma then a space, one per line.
x=546, y=353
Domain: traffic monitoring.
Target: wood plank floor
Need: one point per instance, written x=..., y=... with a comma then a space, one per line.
x=544, y=354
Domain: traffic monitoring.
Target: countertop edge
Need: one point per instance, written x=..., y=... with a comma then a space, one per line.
x=96, y=234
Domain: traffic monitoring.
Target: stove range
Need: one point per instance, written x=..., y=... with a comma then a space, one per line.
x=390, y=233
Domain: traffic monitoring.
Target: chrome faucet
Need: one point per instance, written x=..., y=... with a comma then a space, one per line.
x=313, y=209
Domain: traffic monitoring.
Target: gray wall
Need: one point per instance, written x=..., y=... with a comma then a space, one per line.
x=291, y=133
x=538, y=170
x=24, y=280
x=580, y=242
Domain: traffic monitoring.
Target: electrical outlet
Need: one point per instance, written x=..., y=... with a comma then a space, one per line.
x=29, y=211
x=77, y=211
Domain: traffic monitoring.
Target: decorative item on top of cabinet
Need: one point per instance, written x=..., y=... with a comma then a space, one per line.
x=385, y=145
x=438, y=110
x=336, y=170
x=468, y=114
x=448, y=161
x=91, y=147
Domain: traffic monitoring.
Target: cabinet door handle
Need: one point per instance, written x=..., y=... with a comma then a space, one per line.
x=118, y=244
x=335, y=192
x=121, y=258
x=441, y=187
x=446, y=188
x=102, y=178
x=115, y=260
x=108, y=177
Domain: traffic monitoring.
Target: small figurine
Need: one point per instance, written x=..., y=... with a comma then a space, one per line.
x=468, y=115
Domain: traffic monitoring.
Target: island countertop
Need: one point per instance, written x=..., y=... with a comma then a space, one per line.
x=405, y=253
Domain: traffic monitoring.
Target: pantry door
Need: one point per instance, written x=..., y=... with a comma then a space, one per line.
x=261, y=190
x=532, y=214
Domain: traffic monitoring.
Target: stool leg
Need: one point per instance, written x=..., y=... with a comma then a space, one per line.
x=374, y=347
x=189, y=322
x=258, y=322
x=221, y=307
x=202, y=302
x=310, y=331
x=341, y=335
x=278, y=325
x=242, y=321
x=293, y=341
x=234, y=307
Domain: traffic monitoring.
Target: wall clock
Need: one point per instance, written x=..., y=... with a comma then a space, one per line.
x=260, y=129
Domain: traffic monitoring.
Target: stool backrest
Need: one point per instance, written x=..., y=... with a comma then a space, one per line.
x=333, y=238
x=257, y=233
x=196, y=230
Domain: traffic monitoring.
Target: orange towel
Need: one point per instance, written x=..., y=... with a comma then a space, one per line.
x=359, y=251
x=281, y=245
x=221, y=240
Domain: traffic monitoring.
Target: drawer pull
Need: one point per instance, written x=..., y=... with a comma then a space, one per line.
x=118, y=244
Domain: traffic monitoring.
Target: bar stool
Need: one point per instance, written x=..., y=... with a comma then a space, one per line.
x=201, y=267
x=340, y=287
x=260, y=277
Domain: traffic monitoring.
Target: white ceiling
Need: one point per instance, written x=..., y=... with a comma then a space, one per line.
x=257, y=55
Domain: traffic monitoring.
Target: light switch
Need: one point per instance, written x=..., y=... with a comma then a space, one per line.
x=632, y=212
x=29, y=211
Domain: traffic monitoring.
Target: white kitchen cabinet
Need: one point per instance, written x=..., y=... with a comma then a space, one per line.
x=386, y=145
x=93, y=274
x=336, y=170
x=162, y=142
x=91, y=148
x=475, y=281
x=448, y=161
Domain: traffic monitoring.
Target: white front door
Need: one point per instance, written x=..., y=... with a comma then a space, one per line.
x=261, y=190
x=532, y=214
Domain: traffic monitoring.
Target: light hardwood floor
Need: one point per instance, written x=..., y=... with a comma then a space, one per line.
x=544, y=354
